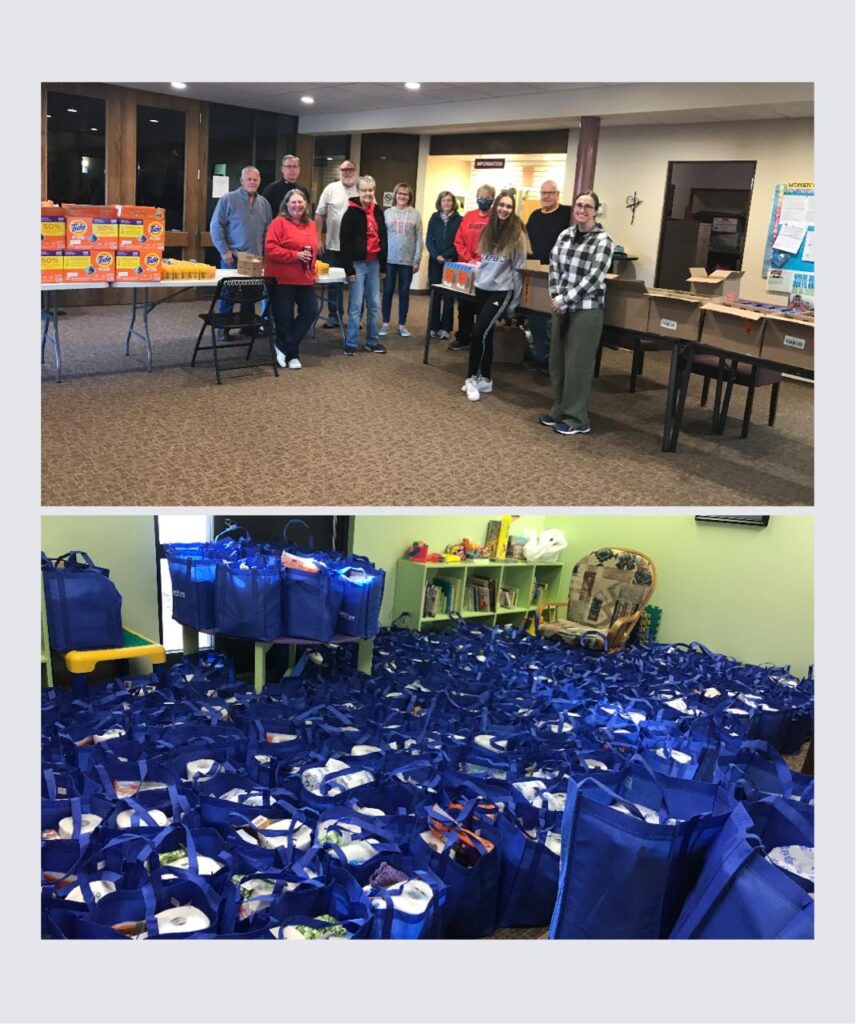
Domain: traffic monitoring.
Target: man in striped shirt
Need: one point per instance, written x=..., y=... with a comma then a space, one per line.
x=579, y=263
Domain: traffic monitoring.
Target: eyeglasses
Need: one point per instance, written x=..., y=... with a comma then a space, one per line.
x=583, y=206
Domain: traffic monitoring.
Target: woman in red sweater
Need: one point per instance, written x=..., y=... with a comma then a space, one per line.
x=291, y=246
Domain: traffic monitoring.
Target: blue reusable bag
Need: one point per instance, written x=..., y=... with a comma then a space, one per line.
x=621, y=876
x=362, y=594
x=740, y=895
x=193, y=572
x=248, y=601
x=83, y=606
x=311, y=601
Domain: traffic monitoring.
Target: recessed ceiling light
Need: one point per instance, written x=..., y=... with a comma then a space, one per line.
x=412, y=85
x=50, y=115
x=71, y=110
x=329, y=157
x=153, y=120
x=93, y=129
x=178, y=85
x=306, y=99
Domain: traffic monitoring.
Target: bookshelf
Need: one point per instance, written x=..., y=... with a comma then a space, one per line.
x=488, y=592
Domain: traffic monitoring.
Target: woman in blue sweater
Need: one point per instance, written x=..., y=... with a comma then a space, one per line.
x=440, y=242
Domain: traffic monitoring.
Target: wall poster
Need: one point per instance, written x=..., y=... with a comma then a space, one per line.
x=789, y=250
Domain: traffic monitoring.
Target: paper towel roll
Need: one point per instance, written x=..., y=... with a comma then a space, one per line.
x=128, y=819
x=410, y=897
x=300, y=837
x=177, y=920
x=359, y=749
x=88, y=823
x=98, y=888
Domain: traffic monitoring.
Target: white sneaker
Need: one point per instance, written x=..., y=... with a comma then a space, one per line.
x=295, y=364
x=467, y=382
x=432, y=334
x=484, y=385
x=384, y=330
x=472, y=391
x=444, y=335
x=280, y=357
x=403, y=331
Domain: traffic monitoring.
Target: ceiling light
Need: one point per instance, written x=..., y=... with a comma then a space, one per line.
x=178, y=85
x=153, y=120
x=329, y=157
x=306, y=99
x=71, y=110
x=412, y=85
x=50, y=115
x=93, y=129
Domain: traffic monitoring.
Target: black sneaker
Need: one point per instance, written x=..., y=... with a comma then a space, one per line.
x=569, y=428
x=547, y=420
x=375, y=347
x=330, y=325
x=349, y=351
x=458, y=346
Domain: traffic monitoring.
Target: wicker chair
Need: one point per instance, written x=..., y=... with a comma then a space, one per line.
x=608, y=593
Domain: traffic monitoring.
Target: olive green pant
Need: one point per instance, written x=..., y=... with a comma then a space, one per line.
x=573, y=351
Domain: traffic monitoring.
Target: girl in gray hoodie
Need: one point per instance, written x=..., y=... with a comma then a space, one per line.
x=404, y=235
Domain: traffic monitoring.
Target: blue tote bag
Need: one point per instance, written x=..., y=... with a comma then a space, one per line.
x=83, y=606
x=362, y=594
x=631, y=854
x=247, y=598
x=311, y=601
x=193, y=573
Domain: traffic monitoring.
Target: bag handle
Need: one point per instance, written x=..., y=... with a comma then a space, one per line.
x=245, y=533
x=305, y=525
x=783, y=773
x=72, y=557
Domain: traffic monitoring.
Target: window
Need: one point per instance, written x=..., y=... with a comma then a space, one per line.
x=76, y=148
x=330, y=151
x=178, y=529
x=160, y=162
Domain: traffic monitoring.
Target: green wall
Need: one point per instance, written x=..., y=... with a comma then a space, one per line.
x=740, y=590
x=123, y=544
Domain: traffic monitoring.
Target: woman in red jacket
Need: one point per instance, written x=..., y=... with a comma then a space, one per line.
x=291, y=246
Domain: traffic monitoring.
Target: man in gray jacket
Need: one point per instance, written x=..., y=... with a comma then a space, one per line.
x=239, y=224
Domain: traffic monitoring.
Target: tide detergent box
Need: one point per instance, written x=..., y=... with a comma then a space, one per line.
x=52, y=267
x=138, y=264
x=141, y=226
x=88, y=265
x=90, y=227
x=53, y=229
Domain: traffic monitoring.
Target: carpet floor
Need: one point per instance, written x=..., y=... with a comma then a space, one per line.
x=385, y=430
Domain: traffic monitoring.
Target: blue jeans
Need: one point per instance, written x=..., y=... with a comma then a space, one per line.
x=400, y=274
x=539, y=325
x=291, y=330
x=248, y=309
x=366, y=283
x=445, y=305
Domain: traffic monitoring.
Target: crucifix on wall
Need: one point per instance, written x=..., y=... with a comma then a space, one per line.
x=631, y=202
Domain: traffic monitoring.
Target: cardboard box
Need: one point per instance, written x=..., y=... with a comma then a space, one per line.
x=714, y=284
x=789, y=340
x=460, y=276
x=53, y=229
x=732, y=329
x=91, y=227
x=139, y=265
x=509, y=344
x=141, y=226
x=52, y=271
x=675, y=314
x=89, y=265
x=535, y=294
x=250, y=265
x=627, y=303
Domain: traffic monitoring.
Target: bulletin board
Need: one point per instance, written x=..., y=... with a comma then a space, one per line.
x=789, y=250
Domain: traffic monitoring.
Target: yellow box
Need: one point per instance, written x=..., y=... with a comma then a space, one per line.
x=139, y=265
x=52, y=271
x=141, y=226
x=53, y=229
x=90, y=227
x=89, y=265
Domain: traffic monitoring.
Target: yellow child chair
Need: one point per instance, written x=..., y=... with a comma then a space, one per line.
x=609, y=590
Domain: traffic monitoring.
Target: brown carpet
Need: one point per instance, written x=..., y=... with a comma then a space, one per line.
x=384, y=430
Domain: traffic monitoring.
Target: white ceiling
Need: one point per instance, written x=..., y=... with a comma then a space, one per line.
x=450, y=107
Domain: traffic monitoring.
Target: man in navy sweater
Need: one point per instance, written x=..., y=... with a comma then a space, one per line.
x=544, y=227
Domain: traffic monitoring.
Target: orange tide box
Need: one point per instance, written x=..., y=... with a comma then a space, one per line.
x=88, y=265
x=52, y=272
x=53, y=229
x=141, y=226
x=90, y=227
x=139, y=264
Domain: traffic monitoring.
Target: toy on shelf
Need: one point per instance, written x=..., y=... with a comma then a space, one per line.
x=417, y=552
x=465, y=549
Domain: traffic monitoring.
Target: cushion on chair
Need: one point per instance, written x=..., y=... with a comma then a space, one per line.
x=607, y=585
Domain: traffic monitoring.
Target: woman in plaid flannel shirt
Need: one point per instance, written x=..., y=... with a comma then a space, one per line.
x=579, y=263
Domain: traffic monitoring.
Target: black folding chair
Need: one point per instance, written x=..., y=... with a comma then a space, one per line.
x=245, y=290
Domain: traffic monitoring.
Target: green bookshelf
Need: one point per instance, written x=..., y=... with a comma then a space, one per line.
x=486, y=592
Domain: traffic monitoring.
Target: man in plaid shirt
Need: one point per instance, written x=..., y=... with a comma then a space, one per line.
x=579, y=263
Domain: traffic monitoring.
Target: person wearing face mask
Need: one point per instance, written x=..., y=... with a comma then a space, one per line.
x=404, y=240
x=579, y=263
x=291, y=247
x=440, y=243
x=328, y=220
x=502, y=246
x=466, y=248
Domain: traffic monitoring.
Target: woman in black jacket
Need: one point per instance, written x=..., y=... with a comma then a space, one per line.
x=362, y=238
x=440, y=242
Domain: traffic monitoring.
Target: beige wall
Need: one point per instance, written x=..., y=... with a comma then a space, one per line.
x=636, y=160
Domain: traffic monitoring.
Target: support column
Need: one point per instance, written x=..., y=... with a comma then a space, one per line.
x=586, y=155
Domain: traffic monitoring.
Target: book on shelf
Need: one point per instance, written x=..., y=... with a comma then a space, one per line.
x=539, y=592
x=485, y=590
x=508, y=597
x=491, y=537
